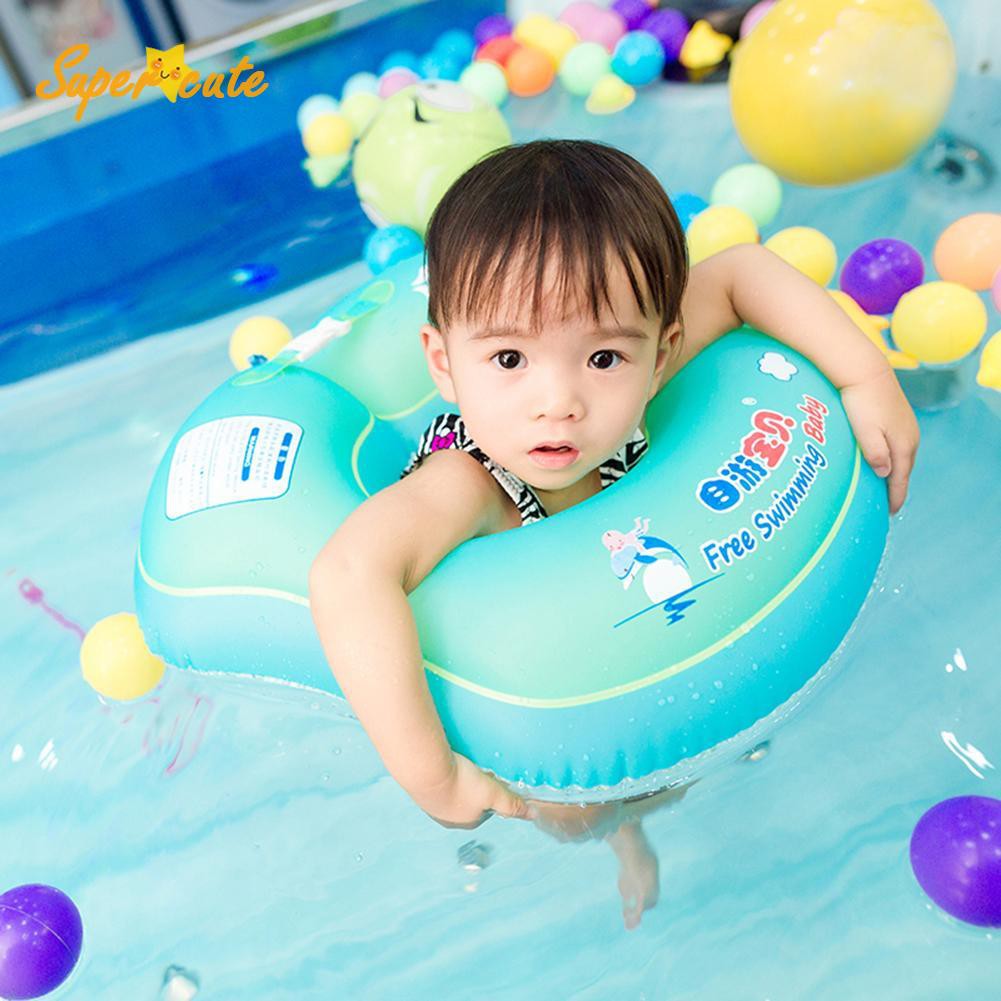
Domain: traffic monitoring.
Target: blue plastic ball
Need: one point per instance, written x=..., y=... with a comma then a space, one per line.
x=390, y=245
x=688, y=206
x=638, y=58
x=401, y=59
x=318, y=104
x=360, y=83
x=440, y=66
x=458, y=44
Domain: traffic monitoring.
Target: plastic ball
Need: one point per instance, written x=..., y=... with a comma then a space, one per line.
x=404, y=163
x=879, y=272
x=609, y=95
x=754, y=15
x=440, y=66
x=808, y=250
x=318, y=104
x=485, y=79
x=115, y=660
x=359, y=83
x=552, y=37
x=395, y=80
x=989, y=374
x=456, y=43
x=594, y=24
x=969, y=250
x=861, y=87
x=491, y=27
x=688, y=206
x=938, y=322
x=359, y=109
x=670, y=28
x=257, y=337
x=638, y=58
x=40, y=939
x=390, y=245
x=401, y=59
x=751, y=187
x=328, y=134
x=632, y=12
x=996, y=290
x=583, y=66
x=529, y=71
x=498, y=50
x=956, y=858
x=719, y=227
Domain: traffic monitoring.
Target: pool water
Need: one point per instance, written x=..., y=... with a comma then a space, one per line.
x=248, y=833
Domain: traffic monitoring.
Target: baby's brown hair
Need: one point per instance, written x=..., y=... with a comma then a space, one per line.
x=587, y=202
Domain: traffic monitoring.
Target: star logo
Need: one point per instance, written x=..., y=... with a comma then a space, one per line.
x=168, y=69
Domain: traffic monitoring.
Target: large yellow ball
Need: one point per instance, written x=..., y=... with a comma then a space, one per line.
x=257, y=336
x=716, y=228
x=116, y=661
x=831, y=91
x=938, y=322
x=806, y=249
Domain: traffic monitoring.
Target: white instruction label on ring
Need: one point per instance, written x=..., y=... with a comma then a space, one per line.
x=230, y=460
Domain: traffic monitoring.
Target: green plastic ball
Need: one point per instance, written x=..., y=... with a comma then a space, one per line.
x=583, y=66
x=751, y=187
x=485, y=79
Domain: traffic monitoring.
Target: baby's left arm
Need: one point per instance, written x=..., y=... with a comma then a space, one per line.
x=749, y=284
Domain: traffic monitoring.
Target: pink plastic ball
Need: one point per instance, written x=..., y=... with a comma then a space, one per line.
x=594, y=24
x=755, y=14
x=394, y=80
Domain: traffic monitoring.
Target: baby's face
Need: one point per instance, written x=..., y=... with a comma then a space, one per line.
x=574, y=380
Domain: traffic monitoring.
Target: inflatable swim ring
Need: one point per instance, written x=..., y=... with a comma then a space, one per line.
x=600, y=646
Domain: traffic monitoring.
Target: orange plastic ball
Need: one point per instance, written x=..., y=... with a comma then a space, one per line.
x=529, y=72
x=498, y=49
x=969, y=251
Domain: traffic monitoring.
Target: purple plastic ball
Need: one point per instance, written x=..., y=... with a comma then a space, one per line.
x=40, y=938
x=880, y=272
x=670, y=28
x=632, y=12
x=956, y=858
x=492, y=27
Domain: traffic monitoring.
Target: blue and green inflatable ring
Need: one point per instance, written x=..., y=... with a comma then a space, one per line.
x=617, y=641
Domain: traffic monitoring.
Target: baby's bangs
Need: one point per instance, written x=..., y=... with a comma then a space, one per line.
x=547, y=222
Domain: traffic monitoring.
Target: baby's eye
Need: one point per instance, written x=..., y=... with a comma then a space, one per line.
x=613, y=354
x=506, y=354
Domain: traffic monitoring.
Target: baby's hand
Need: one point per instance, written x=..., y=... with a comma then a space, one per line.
x=468, y=797
x=886, y=429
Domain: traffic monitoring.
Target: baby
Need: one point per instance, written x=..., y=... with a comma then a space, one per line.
x=560, y=301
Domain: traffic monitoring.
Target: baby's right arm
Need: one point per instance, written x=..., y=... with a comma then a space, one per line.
x=358, y=587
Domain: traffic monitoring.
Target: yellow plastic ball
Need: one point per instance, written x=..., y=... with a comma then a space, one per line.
x=808, y=250
x=989, y=374
x=116, y=661
x=938, y=322
x=716, y=228
x=552, y=37
x=831, y=91
x=609, y=94
x=359, y=109
x=327, y=134
x=257, y=336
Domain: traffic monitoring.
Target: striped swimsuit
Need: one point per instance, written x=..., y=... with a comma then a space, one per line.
x=449, y=431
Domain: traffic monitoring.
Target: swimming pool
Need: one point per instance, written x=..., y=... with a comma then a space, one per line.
x=249, y=834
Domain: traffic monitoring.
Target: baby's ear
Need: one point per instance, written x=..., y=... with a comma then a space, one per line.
x=433, y=342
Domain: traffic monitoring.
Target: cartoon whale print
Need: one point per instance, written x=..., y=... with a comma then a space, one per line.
x=664, y=569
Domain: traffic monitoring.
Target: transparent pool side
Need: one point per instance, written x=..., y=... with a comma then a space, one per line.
x=249, y=833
